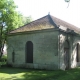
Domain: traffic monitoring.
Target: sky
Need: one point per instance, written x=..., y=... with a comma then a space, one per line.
x=58, y=8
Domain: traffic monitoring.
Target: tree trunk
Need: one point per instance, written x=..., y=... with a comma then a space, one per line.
x=1, y=46
x=1, y=52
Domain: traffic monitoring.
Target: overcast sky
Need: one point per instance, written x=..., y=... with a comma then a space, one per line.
x=57, y=8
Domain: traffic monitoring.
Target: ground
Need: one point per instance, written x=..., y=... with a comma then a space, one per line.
x=30, y=74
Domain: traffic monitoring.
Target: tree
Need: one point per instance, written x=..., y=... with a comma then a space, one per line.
x=9, y=20
x=26, y=20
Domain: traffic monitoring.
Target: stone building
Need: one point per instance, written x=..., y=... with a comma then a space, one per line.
x=46, y=43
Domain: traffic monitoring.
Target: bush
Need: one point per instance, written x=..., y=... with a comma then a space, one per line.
x=4, y=58
x=2, y=64
x=3, y=61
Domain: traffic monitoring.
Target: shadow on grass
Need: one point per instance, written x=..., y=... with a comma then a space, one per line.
x=29, y=74
x=54, y=75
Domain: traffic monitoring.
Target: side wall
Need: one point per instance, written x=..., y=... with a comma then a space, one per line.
x=73, y=40
x=74, y=55
x=45, y=49
x=63, y=37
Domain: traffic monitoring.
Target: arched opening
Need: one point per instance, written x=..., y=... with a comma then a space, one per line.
x=66, y=54
x=13, y=56
x=77, y=51
x=29, y=52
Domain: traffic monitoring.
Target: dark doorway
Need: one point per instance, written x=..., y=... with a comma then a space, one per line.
x=66, y=54
x=29, y=52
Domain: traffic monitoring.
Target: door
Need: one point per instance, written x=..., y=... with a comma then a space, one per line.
x=66, y=57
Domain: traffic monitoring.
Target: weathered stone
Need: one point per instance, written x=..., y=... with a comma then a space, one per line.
x=55, y=45
x=44, y=48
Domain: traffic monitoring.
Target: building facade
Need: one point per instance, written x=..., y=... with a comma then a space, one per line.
x=47, y=43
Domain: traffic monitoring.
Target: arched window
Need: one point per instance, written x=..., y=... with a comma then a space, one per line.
x=77, y=51
x=29, y=52
x=13, y=56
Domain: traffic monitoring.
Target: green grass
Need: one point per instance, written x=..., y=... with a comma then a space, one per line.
x=28, y=74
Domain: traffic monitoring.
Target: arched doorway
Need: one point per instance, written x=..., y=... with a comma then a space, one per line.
x=29, y=52
x=66, y=54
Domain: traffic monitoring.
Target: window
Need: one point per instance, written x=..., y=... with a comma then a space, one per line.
x=13, y=56
x=77, y=50
x=29, y=52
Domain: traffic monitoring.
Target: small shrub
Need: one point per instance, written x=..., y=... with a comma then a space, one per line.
x=3, y=61
x=3, y=64
x=4, y=58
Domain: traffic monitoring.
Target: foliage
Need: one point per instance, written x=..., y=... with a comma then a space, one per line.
x=9, y=20
x=8, y=14
x=3, y=60
x=26, y=20
x=3, y=64
x=26, y=74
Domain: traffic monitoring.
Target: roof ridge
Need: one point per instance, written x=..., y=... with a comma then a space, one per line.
x=53, y=21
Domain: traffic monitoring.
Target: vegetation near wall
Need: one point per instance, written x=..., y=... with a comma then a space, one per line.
x=3, y=61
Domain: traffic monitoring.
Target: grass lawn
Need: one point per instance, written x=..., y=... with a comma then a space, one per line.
x=28, y=74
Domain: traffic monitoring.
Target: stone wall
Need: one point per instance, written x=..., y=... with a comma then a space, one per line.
x=63, y=38
x=73, y=40
x=74, y=55
x=45, y=49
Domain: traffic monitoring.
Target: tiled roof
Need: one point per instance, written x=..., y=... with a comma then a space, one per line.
x=46, y=22
x=65, y=24
x=42, y=23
